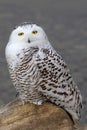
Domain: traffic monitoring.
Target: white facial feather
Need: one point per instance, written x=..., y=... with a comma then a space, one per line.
x=30, y=33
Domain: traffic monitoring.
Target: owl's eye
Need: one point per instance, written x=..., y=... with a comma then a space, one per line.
x=20, y=34
x=34, y=32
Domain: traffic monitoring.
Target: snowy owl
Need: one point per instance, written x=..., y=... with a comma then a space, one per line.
x=38, y=72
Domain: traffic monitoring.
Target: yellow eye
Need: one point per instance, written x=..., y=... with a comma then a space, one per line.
x=20, y=34
x=34, y=32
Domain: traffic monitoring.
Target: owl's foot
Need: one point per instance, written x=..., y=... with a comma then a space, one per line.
x=38, y=102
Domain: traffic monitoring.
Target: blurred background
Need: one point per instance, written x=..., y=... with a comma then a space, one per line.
x=65, y=22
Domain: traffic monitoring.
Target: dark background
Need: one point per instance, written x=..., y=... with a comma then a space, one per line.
x=65, y=22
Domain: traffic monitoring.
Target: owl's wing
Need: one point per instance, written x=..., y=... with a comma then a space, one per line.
x=55, y=81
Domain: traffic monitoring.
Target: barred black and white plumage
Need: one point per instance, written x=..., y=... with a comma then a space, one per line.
x=38, y=72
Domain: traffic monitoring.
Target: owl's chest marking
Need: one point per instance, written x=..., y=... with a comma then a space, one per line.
x=25, y=76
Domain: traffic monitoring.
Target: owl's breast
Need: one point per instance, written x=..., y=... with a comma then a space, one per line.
x=11, y=52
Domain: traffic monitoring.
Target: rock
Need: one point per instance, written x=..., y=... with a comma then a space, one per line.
x=16, y=116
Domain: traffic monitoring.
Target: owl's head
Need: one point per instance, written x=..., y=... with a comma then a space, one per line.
x=27, y=33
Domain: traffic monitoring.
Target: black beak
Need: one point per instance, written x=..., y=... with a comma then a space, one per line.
x=29, y=41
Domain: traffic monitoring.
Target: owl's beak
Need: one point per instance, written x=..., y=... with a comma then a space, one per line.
x=29, y=41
